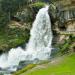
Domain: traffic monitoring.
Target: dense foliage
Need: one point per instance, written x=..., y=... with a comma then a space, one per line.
x=36, y=6
x=3, y=19
x=9, y=8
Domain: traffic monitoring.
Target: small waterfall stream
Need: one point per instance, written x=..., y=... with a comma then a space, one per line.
x=39, y=46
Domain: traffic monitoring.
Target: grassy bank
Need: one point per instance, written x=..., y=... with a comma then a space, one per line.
x=62, y=66
x=25, y=69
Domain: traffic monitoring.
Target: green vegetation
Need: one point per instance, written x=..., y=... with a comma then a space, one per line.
x=9, y=8
x=12, y=34
x=36, y=6
x=25, y=69
x=66, y=46
x=3, y=19
x=64, y=66
x=13, y=37
x=15, y=28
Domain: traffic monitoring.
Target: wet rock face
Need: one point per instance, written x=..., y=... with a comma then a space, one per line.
x=65, y=11
x=63, y=18
x=66, y=15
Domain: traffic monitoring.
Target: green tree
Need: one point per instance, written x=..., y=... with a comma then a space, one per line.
x=3, y=19
x=11, y=6
x=8, y=7
x=21, y=3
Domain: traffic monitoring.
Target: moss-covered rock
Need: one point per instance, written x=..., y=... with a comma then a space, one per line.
x=36, y=6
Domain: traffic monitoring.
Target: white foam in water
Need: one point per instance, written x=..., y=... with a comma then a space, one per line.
x=3, y=59
x=39, y=45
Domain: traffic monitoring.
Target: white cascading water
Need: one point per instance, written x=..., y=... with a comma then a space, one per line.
x=41, y=35
x=39, y=46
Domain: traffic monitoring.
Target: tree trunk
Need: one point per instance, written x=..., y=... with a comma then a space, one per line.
x=9, y=17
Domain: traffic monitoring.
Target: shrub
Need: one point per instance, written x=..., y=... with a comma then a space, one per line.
x=36, y=6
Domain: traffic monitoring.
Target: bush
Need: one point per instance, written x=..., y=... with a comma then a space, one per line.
x=37, y=6
x=25, y=15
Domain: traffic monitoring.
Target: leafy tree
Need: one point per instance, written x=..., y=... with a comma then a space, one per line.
x=8, y=7
x=11, y=6
x=21, y=3
x=3, y=19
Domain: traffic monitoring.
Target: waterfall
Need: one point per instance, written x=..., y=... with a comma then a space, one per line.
x=38, y=47
x=41, y=35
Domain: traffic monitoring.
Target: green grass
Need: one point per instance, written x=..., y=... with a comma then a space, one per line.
x=66, y=66
x=24, y=69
